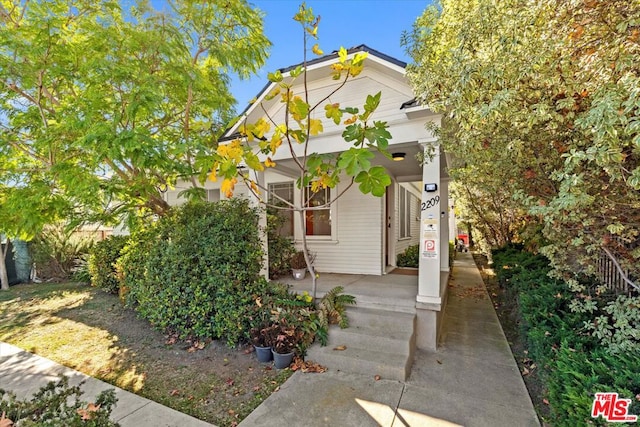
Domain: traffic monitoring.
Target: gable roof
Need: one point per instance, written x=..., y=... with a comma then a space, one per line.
x=389, y=61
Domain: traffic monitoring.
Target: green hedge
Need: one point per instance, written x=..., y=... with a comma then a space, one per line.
x=410, y=257
x=196, y=271
x=102, y=263
x=573, y=364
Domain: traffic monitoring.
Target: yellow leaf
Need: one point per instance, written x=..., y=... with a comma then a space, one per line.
x=276, y=141
x=261, y=127
x=342, y=55
x=351, y=120
x=354, y=70
x=340, y=348
x=316, y=49
x=227, y=186
x=269, y=163
x=213, y=176
x=254, y=187
x=315, y=126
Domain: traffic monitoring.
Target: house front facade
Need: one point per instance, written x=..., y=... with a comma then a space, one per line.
x=363, y=234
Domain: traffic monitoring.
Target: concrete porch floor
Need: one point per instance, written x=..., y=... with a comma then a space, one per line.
x=395, y=292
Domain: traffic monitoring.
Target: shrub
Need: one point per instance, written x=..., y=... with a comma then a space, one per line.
x=57, y=404
x=102, y=263
x=574, y=364
x=281, y=248
x=58, y=252
x=196, y=270
x=410, y=257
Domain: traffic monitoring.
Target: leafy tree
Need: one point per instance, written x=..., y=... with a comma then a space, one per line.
x=542, y=105
x=261, y=140
x=103, y=108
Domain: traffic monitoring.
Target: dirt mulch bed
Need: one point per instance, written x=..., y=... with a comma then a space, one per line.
x=88, y=330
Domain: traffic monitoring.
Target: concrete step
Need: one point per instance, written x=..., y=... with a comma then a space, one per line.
x=377, y=342
x=394, y=305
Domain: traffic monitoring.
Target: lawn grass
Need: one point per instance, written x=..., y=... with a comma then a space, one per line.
x=89, y=330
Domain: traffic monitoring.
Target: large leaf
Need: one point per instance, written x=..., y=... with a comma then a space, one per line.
x=355, y=160
x=374, y=181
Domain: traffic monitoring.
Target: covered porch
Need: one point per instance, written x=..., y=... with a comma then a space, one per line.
x=391, y=292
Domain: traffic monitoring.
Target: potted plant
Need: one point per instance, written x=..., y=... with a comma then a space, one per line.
x=299, y=265
x=261, y=342
x=286, y=340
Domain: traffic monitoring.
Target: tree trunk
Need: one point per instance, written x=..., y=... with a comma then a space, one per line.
x=4, y=277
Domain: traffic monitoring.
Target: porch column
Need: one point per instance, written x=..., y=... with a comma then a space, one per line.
x=262, y=222
x=445, y=226
x=432, y=228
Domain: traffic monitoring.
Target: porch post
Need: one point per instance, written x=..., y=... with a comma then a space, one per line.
x=445, y=226
x=262, y=223
x=432, y=233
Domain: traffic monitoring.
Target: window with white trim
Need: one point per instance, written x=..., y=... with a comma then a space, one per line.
x=283, y=190
x=318, y=221
x=404, y=213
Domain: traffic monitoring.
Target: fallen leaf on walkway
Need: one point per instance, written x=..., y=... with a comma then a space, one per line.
x=307, y=366
x=525, y=372
x=545, y=401
x=377, y=378
x=174, y=392
x=229, y=381
x=439, y=362
x=340, y=348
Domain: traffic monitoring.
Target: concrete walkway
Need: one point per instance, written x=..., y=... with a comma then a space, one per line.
x=24, y=373
x=472, y=380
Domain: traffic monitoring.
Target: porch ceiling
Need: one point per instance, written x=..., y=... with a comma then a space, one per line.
x=406, y=170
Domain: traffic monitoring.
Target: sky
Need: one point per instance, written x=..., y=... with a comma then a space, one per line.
x=377, y=23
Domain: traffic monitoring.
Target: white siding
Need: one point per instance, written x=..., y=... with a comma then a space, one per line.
x=357, y=248
x=414, y=218
x=171, y=196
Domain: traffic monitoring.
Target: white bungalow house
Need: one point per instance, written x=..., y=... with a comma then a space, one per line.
x=363, y=234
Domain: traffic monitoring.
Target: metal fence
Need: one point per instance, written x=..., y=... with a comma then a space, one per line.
x=611, y=273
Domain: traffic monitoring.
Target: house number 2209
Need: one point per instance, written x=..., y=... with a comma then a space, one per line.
x=432, y=202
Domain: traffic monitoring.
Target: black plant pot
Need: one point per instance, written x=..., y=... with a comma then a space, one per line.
x=263, y=354
x=282, y=361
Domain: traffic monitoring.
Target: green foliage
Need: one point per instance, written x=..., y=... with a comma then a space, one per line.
x=333, y=306
x=410, y=257
x=58, y=405
x=577, y=356
x=196, y=271
x=104, y=100
x=618, y=327
x=102, y=263
x=541, y=108
x=261, y=137
x=58, y=252
x=292, y=322
x=281, y=247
